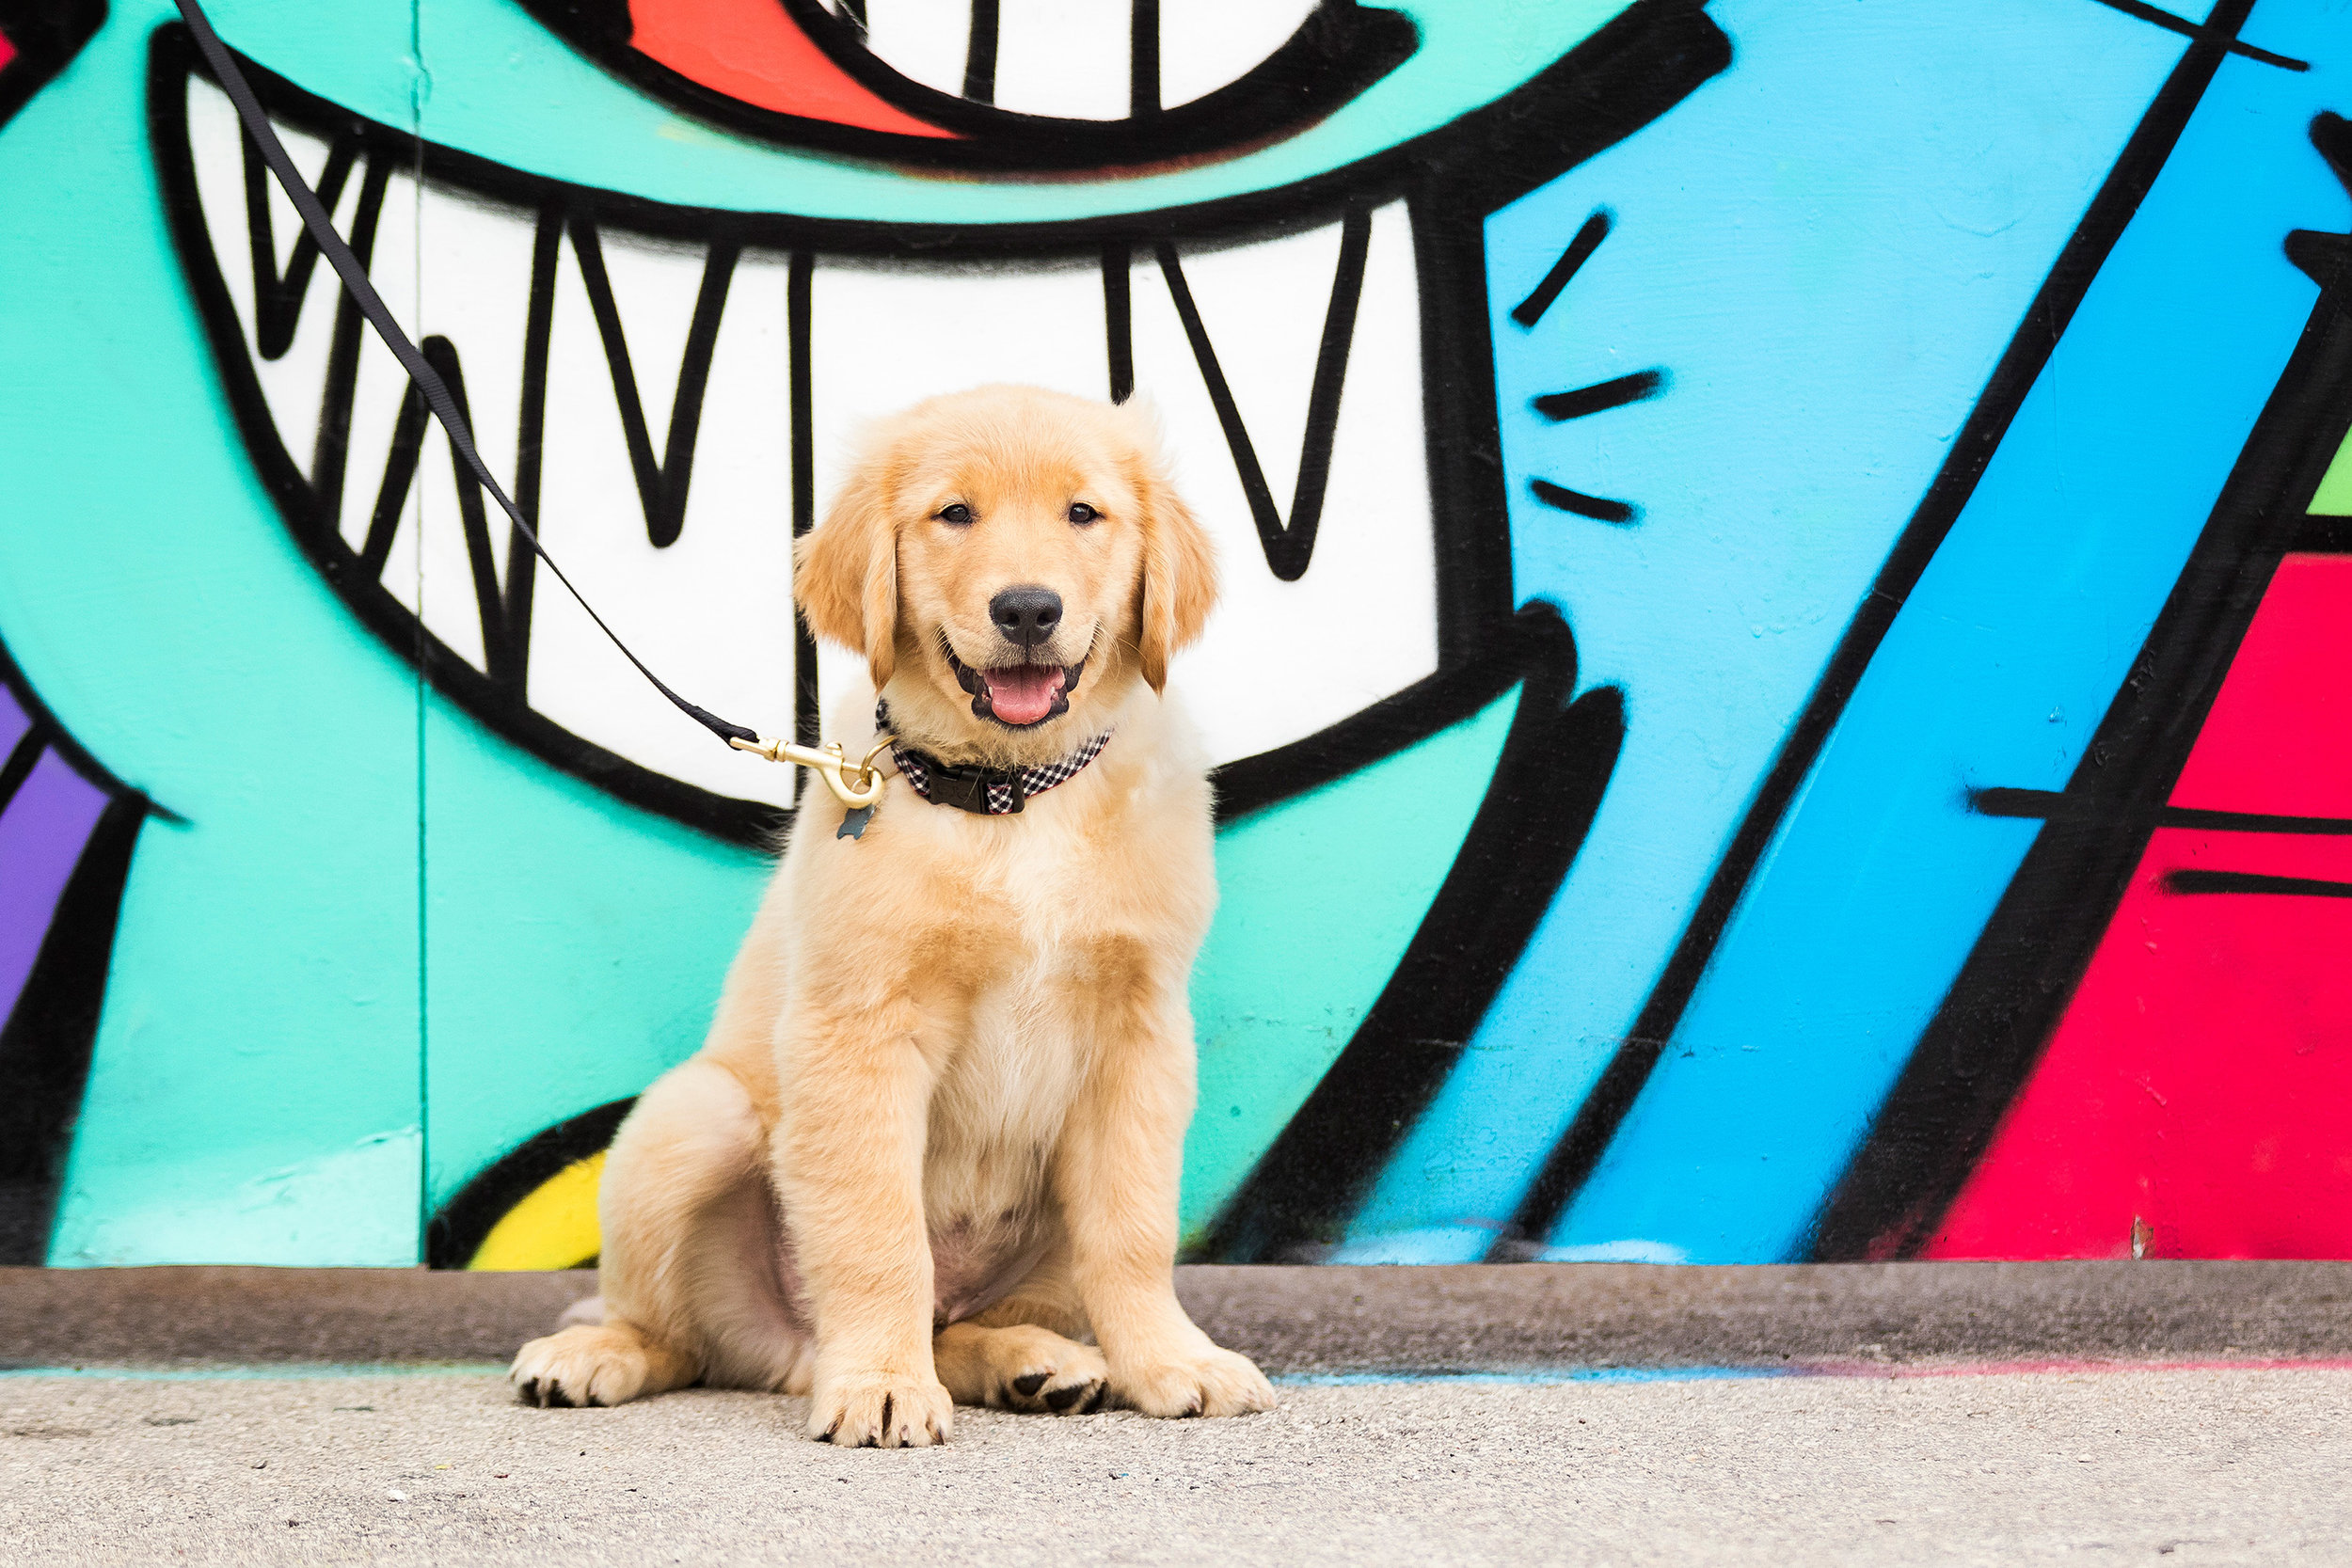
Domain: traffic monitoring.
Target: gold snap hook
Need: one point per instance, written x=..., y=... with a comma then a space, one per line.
x=830, y=764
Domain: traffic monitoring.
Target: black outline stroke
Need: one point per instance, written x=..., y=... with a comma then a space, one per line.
x=457, y=1230
x=2143, y=157
x=1538, y=807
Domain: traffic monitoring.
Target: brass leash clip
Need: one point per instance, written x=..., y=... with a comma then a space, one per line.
x=831, y=763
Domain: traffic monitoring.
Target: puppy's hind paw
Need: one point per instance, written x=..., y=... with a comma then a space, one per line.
x=882, y=1412
x=1038, y=1371
x=583, y=1366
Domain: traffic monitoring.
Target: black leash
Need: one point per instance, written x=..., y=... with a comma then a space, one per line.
x=428, y=380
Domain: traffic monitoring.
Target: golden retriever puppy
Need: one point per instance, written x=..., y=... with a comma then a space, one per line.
x=929, y=1152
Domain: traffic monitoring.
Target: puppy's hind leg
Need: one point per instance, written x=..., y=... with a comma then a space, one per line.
x=677, y=1290
x=1020, y=1366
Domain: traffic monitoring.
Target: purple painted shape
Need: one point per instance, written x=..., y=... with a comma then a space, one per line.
x=14, y=722
x=42, y=833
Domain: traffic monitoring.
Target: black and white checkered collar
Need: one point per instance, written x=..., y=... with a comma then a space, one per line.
x=982, y=791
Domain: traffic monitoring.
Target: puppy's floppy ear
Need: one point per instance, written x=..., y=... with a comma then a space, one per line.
x=846, y=571
x=1179, y=574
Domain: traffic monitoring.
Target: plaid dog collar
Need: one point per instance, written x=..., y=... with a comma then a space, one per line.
x=984, y=791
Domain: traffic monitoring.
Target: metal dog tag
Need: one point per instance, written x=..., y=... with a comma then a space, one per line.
x=853, y=825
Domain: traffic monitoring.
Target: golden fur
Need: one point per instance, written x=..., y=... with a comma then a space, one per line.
x=931, y=1149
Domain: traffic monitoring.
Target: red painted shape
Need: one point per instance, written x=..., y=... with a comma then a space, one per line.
x=2201, y=1083
x=7, y=51
x=753, y=50
x=2279, y=737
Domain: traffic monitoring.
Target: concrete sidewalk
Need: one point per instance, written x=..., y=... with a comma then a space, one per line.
x=2233, y=1465
x=1625, y=1414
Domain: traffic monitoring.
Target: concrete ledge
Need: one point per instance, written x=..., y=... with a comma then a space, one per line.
x=1335, y=1320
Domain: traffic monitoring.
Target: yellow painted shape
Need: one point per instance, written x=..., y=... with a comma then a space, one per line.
x=2334, y=499
x=554, y=1227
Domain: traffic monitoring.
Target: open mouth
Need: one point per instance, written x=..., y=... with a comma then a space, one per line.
x=1018, y=695
x=996, y=84
x=668, y=390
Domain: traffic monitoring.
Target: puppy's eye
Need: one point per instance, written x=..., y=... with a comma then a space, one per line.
x=1081, y=512
x=957, y=514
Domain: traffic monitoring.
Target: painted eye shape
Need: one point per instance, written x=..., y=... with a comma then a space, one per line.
x=1081, y=514
x=956, y=512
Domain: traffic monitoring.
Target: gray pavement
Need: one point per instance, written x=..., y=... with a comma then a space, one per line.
x=1326, y=1319
x=1612, y=1414
x=2184, y=1466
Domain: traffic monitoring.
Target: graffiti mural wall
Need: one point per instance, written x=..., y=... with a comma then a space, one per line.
x=1782, y=691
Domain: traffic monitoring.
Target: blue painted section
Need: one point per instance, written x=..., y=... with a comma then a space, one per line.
x=1997, y=673
x=1826, y=250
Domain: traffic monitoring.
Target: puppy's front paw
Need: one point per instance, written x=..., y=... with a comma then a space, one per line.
x=580, y=1365
x=1216, y=1383
x=881, y=1413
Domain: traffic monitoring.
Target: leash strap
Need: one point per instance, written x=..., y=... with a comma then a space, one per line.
x=427, y=379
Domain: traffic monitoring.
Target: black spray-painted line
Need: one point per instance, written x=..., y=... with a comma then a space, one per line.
x=2047, y=804
x=661, y=481
x=1595, y=1122
x=1989, y=1035
x=1289, y=547
x=1547, y=786
x=1600, y=396
x=19, y=765
x=798, y=321
x=1143, y=59
x=1119, y=319
x=2140, y=10
x=1528, y=312
x=1599, y=508
x=457, y=1230
x=980, y=54
x=2189, y=883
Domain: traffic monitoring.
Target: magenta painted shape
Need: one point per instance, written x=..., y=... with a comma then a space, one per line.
x=2279, y=737
x=2201, y=1083
x=7, y=51
x=42, y=835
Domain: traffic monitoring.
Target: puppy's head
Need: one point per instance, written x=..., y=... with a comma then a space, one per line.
x=1010, y=562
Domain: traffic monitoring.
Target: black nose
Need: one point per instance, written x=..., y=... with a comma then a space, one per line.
x=1027, y=616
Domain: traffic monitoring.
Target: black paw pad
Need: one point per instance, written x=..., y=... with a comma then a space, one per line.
x=1062, y=1399
x=1027, y=1386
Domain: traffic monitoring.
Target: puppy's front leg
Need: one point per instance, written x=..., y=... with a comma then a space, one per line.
x=1116, y=1176
x=849, y=1171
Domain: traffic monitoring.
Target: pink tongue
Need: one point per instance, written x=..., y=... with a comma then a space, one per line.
x=1024, y=694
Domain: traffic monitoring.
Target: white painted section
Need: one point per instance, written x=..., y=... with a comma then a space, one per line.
x=1207, y=43
x=711, y=613
x=924, y=40
x=1066, y=59
x=1282, y=660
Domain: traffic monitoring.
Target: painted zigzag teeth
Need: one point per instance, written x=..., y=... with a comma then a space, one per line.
x=1073, y=59
x=1282, y=660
